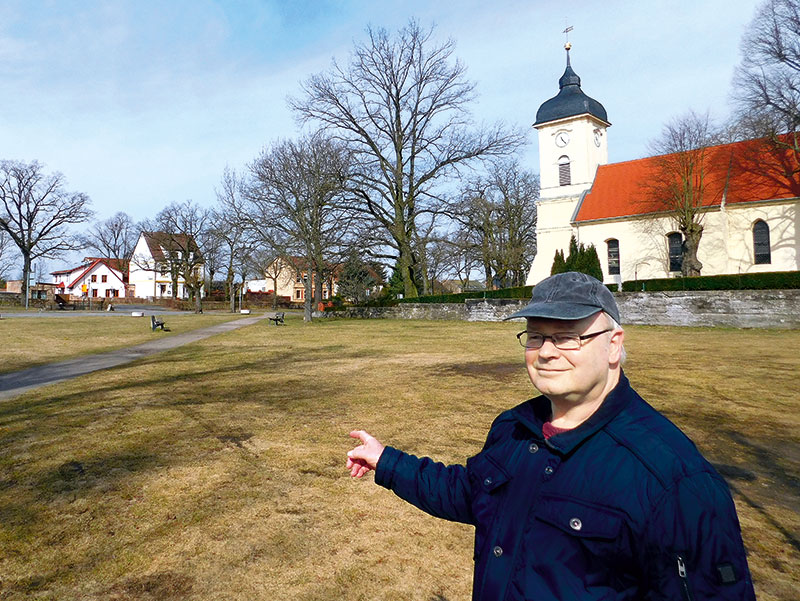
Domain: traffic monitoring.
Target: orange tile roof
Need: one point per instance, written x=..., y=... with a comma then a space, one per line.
x=742, y=172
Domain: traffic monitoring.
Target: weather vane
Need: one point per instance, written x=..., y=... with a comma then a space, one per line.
x=566, y=36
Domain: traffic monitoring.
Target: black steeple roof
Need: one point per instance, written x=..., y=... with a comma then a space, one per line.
x=570, y=100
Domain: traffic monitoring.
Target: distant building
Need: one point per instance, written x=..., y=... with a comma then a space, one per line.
x=459, y=286
x=750, y=209
x=96, y=277
x=290, y=275
x=37, y=290
x=153, y=268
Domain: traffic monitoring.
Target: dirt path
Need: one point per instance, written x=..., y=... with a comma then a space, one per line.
x=15, y=383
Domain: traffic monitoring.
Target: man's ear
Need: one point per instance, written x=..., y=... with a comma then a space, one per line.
x=615, y=348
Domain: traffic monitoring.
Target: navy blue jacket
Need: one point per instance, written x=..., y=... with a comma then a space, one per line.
x=621, y=507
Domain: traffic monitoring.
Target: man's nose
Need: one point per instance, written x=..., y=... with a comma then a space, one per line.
x=548, y=348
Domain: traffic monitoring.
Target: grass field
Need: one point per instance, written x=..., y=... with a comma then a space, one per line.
x=36, y=340
x=217, y=472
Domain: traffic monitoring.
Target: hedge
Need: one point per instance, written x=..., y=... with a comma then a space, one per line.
x=772, y=280
x=517, y=292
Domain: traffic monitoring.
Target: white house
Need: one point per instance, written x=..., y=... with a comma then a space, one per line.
x=154, y=258
x=95, y=277
x=749, y=213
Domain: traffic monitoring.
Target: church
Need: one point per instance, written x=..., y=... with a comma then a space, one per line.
x=749, y=210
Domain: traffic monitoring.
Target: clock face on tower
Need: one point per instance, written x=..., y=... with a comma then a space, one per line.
x=597, y=135
x=562, y=139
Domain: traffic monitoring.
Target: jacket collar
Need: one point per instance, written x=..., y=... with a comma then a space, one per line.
x=533, y=413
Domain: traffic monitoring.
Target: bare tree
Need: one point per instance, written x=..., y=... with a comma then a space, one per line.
x=5, y=248
x=181, y=225
x=115, y=237
x=230, y=226
x=678, y=185
x=496, y=214
x=294, y=204
x=400, y=106
x=36, y=212
x=766, y=93
x=766, y=86
x=273, y=267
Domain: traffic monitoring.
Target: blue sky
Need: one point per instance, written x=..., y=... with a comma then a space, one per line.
x=141, y=103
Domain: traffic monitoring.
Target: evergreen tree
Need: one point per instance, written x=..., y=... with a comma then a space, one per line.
x=592, y=263
x=581, y=258
x=559, y=263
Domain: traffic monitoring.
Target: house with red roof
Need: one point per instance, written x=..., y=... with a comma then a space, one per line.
x=749, y=210
x=96, y=277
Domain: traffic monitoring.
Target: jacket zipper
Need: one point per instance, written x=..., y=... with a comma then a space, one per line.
x=683, y=577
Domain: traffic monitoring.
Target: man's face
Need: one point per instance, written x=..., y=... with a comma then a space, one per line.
x=574, y=376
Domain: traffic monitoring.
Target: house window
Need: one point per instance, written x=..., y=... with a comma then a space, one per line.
x=613, y=256
x=564, y=177
x=761, y=248
x=298, y=294
x=94, y=278
x=103, y=278
x=94, y=291
x=675, y=246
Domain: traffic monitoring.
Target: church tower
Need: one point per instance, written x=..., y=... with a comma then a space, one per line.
x=572, y=143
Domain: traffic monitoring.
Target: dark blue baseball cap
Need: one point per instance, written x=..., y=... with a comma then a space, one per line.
x=569, y=295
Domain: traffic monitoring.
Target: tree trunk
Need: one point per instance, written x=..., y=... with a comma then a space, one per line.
x=410, y=289
x=691, y=265
x=307, y=304
x=26, y=274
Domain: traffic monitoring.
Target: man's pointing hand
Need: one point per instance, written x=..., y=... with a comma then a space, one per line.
x=364, y=457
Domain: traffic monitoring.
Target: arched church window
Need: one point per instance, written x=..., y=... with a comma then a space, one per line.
x=613, y=256
x=675, y=247
x=761, y=248
x=564, y=177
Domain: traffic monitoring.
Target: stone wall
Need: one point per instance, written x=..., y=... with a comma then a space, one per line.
x=728, y=308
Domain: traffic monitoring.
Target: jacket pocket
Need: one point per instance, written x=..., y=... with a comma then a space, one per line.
x=581, y=519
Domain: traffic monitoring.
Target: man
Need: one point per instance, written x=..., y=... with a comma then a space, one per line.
x=585, y=492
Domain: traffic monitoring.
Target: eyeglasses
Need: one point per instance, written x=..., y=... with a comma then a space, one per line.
x=564, y=342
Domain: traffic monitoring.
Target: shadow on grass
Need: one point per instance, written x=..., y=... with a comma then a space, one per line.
x=766, y=462
x=502, y=371
x=279, y=363
x=24, y=509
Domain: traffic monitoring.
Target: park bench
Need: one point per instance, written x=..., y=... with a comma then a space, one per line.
x=156, y=323
x=278, y=319
x=63, y=304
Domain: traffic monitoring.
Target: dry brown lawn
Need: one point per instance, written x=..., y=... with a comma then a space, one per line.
x=35, y=340
x=217, y=471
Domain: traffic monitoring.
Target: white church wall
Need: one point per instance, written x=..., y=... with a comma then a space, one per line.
x=553, y=232
x=784, y=236
x=725, y=248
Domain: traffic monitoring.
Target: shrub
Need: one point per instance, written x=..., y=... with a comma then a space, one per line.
x=777, y=280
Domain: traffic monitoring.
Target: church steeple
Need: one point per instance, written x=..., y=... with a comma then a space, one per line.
x=570, y=78
x=570, y=100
